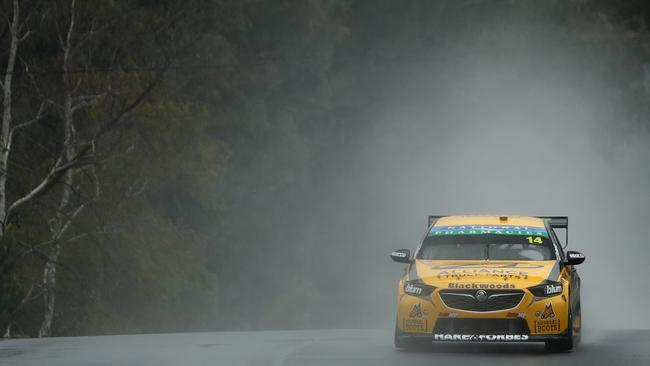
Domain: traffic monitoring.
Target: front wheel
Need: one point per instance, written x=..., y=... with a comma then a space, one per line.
x=408, y=343
x=573, y=333
x=559, y=345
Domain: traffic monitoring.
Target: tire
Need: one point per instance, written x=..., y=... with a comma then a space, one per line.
x=573, y=335
x=577, y=326
x=405, y=343
x=559, y=345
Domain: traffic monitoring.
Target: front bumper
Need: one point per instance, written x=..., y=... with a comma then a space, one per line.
x=479, y=338
x=533, y=319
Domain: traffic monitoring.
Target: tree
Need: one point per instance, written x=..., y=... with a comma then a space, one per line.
x=88, y=84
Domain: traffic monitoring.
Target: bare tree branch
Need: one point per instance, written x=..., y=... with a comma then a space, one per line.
x=38, y=116
x=84, y=101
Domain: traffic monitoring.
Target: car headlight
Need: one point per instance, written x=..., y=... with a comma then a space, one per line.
x=417, y=289
x=547, y=290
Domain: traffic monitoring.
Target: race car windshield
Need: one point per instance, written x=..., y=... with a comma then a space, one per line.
x=486, y=246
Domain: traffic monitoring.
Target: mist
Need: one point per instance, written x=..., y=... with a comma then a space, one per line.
x=466, y=108
x=210, y=181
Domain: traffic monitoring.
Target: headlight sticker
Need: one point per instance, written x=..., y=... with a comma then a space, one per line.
x=417, y=289
x=412, y=290
x=549, y=289
x=552, y=289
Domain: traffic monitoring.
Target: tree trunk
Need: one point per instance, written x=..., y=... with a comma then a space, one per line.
x=49, y=293
x=5, y=140
x=59, y=226
x=61, y=221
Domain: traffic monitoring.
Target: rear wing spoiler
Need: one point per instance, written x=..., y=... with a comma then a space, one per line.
x=558, y=222
x=434, y=218
x=554, y=222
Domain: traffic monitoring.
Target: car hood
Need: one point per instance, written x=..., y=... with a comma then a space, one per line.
x=506, y=274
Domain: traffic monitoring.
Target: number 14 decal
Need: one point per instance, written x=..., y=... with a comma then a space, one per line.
x=532, y=240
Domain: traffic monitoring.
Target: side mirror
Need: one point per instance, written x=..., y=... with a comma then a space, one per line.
x=401, y=256
x=573, y=258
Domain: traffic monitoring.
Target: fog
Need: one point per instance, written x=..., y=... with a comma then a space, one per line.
x=523, y=113
x=514, y=144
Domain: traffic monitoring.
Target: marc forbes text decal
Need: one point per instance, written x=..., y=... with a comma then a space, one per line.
x=481, y=337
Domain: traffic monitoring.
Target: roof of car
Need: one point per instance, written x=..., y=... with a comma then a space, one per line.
x=490, y=220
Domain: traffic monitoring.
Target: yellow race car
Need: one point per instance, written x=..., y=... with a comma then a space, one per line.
x=490, y=279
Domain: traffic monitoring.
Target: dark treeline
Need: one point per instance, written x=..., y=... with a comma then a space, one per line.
x=201, y=163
